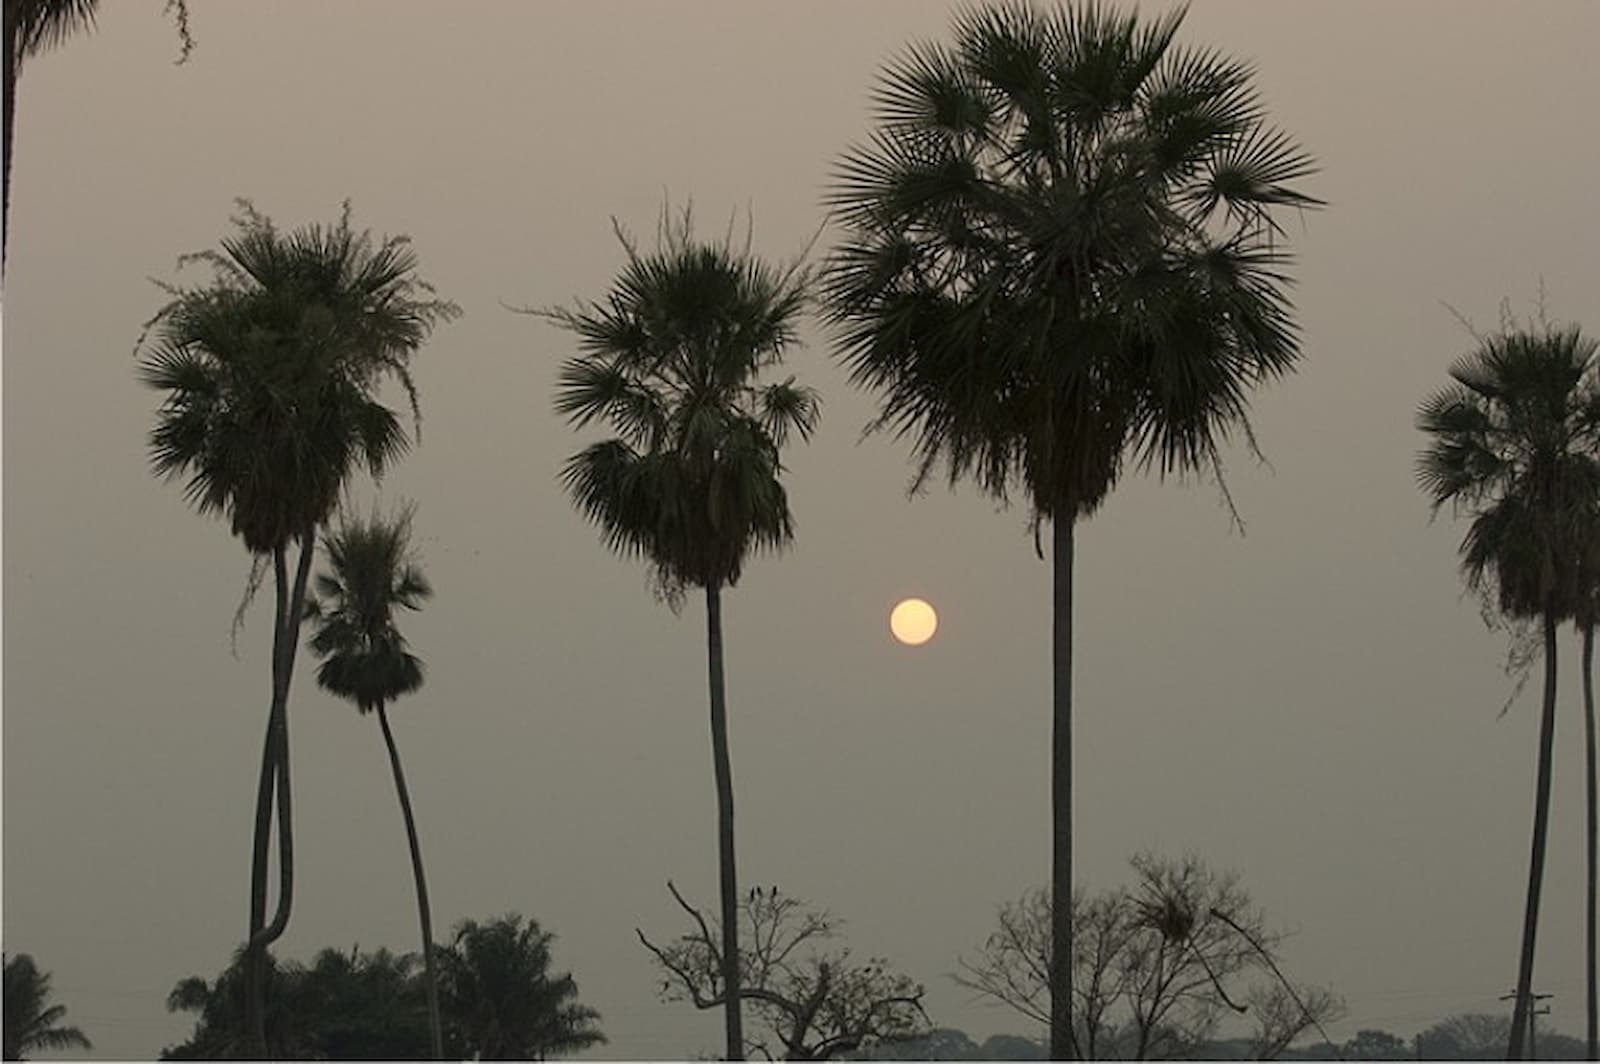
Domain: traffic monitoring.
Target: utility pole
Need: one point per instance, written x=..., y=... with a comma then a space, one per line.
x=1533, y=999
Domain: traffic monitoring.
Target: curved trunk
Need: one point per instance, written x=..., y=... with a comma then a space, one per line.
x=1522, y=1008
x=1062, y=1043
x=1589, y=796
x=13, y=61
x=254, y=973
x=733, y=1020
x=424, y=912
x=275, y=777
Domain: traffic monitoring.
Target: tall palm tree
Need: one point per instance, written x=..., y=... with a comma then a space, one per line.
x=1061, y=255
x=371, y=575
x=271, y=373
x=691, y=482
x=35, y=26
x=31, y=1022
x=504, y=998
x=1516, y=442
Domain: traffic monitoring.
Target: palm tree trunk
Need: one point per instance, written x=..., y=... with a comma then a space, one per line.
x=285, y=641
x=1589, y=795
x=733, y=1020
x=1062, y=1043
x=424, y=912
x=1522, y=1009
x=13, y=61
x=254, y=960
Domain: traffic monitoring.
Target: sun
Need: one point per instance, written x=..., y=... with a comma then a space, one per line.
x=913, y=622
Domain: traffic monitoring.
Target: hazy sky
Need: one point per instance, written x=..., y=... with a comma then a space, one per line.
x=1313, y=703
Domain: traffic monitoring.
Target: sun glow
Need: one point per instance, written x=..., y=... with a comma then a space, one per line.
x=913, y=622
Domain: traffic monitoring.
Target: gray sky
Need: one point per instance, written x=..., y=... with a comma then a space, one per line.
x=1313, y=704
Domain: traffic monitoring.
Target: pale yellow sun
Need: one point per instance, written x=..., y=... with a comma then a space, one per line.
x=913, y=622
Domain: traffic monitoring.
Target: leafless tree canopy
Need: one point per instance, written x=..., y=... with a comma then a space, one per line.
x=809, y=1000
x=1155, y=965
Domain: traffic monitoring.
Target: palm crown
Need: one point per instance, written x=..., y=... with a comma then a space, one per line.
x=371, y=574
x=671, y=360
x=1516, y=439
x=272, y=371
x=1061, y=250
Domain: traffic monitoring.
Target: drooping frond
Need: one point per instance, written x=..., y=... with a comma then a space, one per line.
x=1061, y=251
x=371, y=574
x=671, y=361
x=1515, y=443
x=272, y=370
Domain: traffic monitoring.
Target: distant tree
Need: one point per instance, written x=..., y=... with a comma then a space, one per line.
x=1469, y=1036
x=1516, y=443
x=35, y=26
x=371, y=576
x=1011, y=1047
x=1155, y=965
x=1371, y=1044
x=940, y=1043
x=32, y=1022
x=271, y=373
x=345, y=1006
x=809, y=1002
x=671, y=361
x=506, y=1004
x=1061, y=256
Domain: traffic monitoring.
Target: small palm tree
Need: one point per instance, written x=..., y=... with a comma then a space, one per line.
x=372, y=575
x=1516, y=443
x=34, y=26
x=1061, y=255
x=271, y=373
x=691, y=481
x=507, y=1003
x=31, y=1022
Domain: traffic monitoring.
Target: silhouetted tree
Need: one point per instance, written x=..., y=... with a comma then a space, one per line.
x=272, y=372
x=1470, y=1036
x=502, y=998
x=1516, y=443
x=1061, y=255
x=1372, y=1044
x=371, y=575
x=345, y=1006
x=32, y=1022
x=691, y=482
x=809, y=1002
x=34, y=26
x=1155, y=965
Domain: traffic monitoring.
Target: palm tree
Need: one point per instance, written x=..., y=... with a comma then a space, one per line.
x=507, y=1003
x=271, y=372
x=671, y=361
x=1516, y=442
x=34, y=26
x=1061, y=255
x=371, y=574
x=31, y=1022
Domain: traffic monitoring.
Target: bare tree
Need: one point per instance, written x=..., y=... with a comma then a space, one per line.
x=809, y=1001
x=1155, y=966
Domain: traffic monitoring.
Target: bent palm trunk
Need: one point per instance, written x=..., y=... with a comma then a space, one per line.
x=1062, y=1043
x=424, y=912
x=274, y=777
x=1541, y=829
x=733, y=1020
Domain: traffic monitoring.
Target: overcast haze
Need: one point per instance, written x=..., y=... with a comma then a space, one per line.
x=1312, y=703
